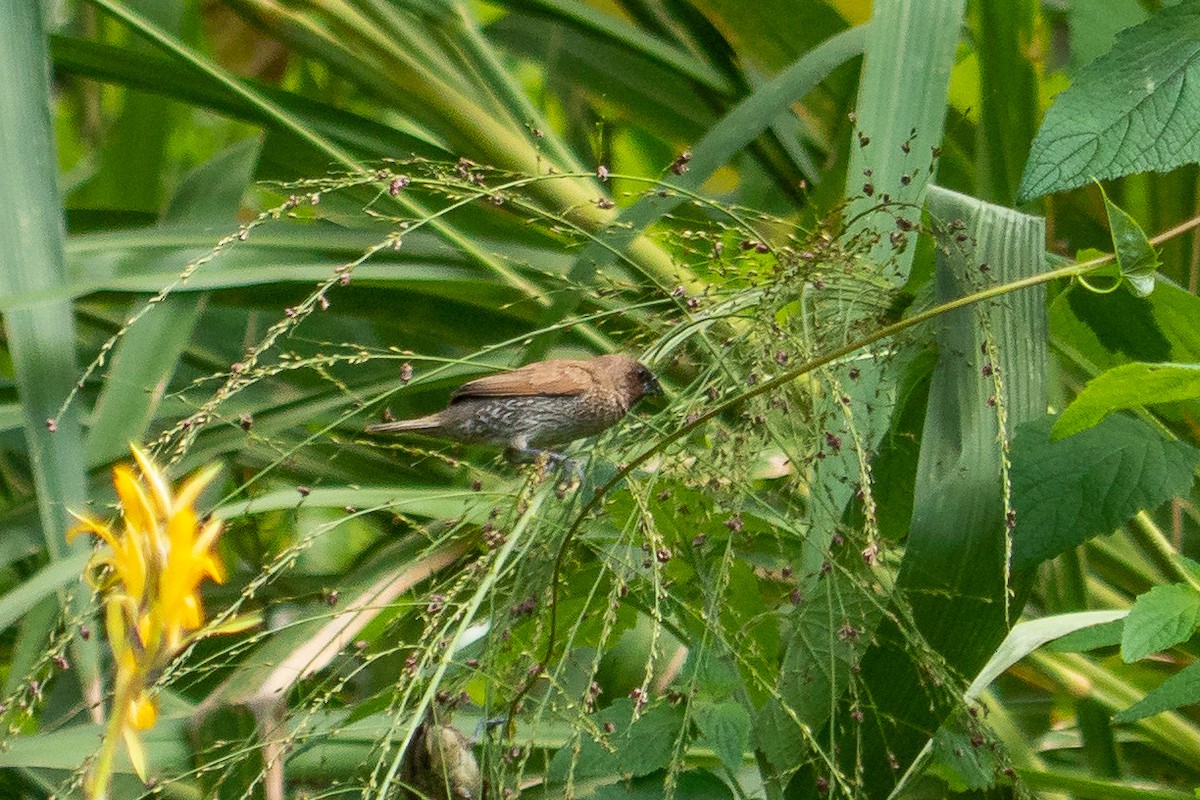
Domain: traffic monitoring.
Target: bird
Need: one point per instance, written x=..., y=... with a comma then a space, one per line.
x=538, y=406
x=440, y=764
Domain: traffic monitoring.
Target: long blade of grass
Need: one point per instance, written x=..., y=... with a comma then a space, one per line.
x=145, y=358
x=40, y=339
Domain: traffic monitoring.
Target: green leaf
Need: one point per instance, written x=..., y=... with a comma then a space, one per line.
x=1135, y=255
x=635, y=747
x=166, y=744
x=1107, y=634
x=693, y=785
x=146, y=357
x=1181, y=689
x=15, y=603
x=1161, y=618
x=1067, y=491
x=41, y=339
x=1134, y=109
x=901, y=113
x=1128, y=386
x=954, y=568
x=725, y=727
x=964, y=766
x=1025, y=637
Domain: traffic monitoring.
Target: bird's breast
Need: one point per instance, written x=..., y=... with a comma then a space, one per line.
x=541, y=420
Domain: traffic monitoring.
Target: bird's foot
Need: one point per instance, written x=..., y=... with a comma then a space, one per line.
x=487, y=725
x=544, y=458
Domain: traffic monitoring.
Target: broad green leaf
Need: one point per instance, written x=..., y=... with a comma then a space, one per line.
x=1134, y=109
x=1161, y=618
x=1067, y=491
x=1135, y=255
x=1128, y=386
x=1179, y=690
x=954, y=570
x=902, y=100
x=725, y=727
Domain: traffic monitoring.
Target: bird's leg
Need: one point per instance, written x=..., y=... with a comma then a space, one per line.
x=519, y=452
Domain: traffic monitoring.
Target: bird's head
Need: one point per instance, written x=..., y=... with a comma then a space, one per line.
x=649, y=384
x=630, y=377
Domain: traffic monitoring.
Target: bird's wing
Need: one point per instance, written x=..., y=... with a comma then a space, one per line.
x=556, y=378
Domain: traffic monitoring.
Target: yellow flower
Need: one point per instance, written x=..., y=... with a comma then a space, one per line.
x=150, y=574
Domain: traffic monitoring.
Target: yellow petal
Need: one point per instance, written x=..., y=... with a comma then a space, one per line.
x=208, y=534
x=160, y=489
x=114, y=624
x=136, y=507
x=213, y=568
x=194, y=485
x=143, y=712
x=192, y=615
x=93, y=526
x=137, y=753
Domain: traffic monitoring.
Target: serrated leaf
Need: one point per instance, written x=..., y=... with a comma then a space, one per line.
x=1135, y=255
x=965, y=766
x=693, y=785
x=1179, y=690
x=1128, y=386
x=637, y=747
x=726, y=729
x=1067, y=491
x=1160, y=618
x=1134, y=109
x=779, y=738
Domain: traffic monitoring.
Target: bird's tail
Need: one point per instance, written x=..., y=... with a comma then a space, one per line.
x=418, y=424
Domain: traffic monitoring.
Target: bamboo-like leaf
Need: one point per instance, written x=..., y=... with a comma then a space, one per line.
x=902, y=101
x=17, y=602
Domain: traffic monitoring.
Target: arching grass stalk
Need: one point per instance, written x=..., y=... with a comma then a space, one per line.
x=1068, y=271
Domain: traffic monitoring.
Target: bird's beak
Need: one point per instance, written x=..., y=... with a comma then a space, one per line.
x=651, y=387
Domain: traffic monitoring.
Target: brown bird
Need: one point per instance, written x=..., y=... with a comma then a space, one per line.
x=538, y=406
